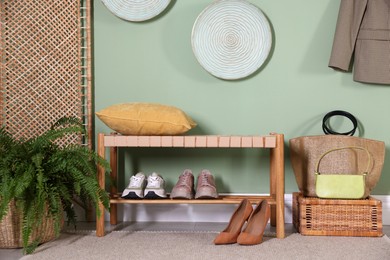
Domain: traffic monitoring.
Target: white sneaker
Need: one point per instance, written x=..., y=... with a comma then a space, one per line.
x=155, y=188
x=136, y=187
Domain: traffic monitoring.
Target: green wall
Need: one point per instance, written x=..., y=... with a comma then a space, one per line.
x=153, y=62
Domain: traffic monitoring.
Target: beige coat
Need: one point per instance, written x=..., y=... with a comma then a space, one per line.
x=363, y=28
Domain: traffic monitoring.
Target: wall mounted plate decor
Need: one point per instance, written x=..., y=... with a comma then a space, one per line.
x=231, y=39
x=136, y=10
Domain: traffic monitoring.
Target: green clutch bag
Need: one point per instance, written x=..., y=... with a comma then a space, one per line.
x=341, y=186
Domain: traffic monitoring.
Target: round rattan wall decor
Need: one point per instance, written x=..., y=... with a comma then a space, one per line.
x=136, y=10
x=231, y=39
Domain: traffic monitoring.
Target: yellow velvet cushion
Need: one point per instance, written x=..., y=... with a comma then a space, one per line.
x=146, y=119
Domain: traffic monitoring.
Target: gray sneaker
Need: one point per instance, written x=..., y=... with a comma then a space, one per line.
x=205, y=188
x=184, y=188
x=155, y=189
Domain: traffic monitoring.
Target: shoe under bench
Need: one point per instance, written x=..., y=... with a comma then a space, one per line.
x=274, y=142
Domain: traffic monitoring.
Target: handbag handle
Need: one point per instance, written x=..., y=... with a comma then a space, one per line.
x=343, y=148
x=327, y=129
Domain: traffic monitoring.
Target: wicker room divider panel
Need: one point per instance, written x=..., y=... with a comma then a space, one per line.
x=45, y=70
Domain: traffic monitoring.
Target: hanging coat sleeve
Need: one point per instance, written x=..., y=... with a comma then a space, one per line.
x=347, y=28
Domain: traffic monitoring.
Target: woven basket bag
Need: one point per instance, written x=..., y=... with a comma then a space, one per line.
x=305, y=151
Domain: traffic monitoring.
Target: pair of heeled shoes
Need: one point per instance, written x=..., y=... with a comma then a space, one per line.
x=252, y=234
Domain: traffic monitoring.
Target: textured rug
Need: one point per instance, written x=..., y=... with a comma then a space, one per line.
x=198, y=245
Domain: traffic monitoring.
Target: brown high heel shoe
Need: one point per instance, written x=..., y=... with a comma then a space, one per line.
x=254, y=230
x=240, y=216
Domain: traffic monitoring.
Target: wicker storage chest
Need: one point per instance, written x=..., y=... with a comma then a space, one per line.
x=334, y=217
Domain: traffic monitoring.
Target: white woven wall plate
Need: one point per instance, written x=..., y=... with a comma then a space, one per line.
x=136, y=10
x=231, y=39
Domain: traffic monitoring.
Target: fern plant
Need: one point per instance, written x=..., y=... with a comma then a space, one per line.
x=43, y=178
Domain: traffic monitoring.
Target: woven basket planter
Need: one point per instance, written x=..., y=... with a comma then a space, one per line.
x=11, y=230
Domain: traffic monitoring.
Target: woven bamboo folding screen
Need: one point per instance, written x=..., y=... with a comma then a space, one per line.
x=45, y=50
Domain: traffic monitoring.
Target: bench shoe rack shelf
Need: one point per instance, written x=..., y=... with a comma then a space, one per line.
x=274, y=142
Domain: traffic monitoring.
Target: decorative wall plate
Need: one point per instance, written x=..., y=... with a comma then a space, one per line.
x=136, y=10
x=231, y=39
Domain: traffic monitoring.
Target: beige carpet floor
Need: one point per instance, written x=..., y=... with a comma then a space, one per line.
x=198, y=245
